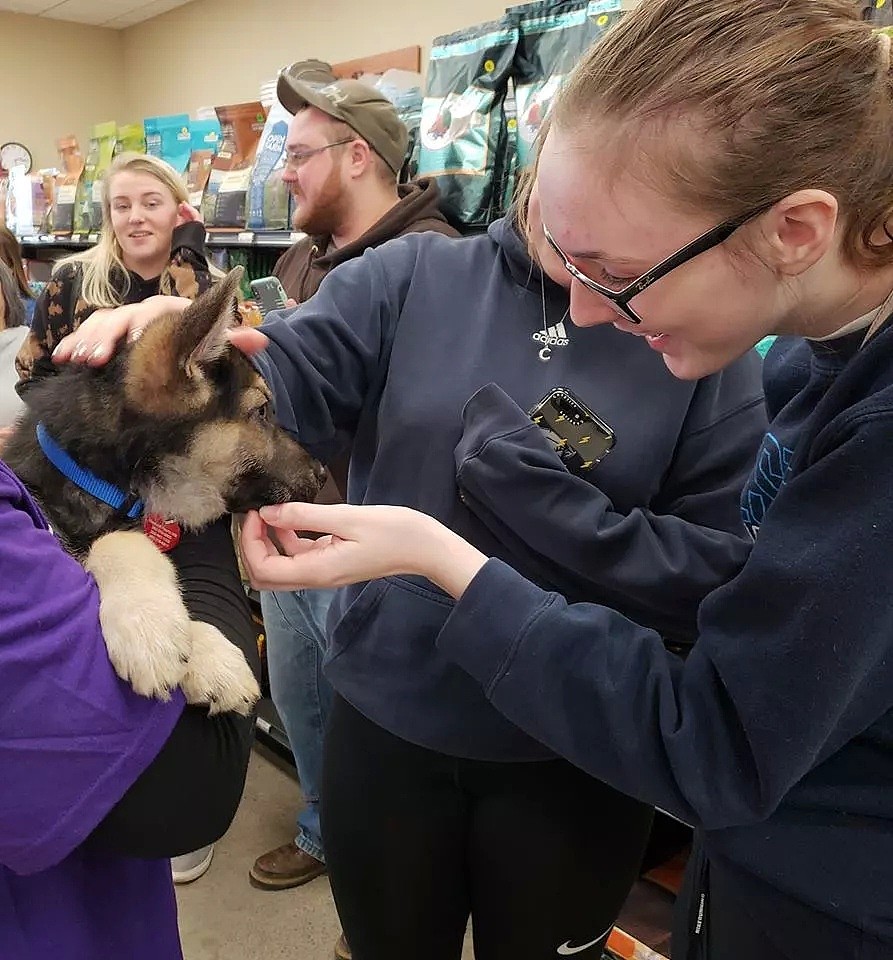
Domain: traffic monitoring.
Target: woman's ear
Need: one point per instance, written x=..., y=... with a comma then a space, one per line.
x=799, y=230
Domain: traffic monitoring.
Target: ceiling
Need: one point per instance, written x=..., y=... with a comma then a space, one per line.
x=107, y=13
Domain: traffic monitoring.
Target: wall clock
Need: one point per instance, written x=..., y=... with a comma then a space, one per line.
x=15, y=154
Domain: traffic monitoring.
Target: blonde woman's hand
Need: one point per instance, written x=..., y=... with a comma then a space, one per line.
x=96, y=339
x=360, y=543
x=186, y=213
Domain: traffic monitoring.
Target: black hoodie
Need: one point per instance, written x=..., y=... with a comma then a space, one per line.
x=776, y=734
x=425, y=353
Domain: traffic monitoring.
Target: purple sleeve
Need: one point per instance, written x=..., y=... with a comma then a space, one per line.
x=73, y=737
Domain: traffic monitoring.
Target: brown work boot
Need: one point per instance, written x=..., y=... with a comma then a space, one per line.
x=286, y=866
x=342, y=950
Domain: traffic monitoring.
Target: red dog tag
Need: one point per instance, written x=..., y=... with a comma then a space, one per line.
x=165, y=534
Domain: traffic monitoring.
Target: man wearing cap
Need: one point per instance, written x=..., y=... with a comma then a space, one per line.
x=345, y=150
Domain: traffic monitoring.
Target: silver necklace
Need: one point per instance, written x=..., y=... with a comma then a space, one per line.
x=545, y=354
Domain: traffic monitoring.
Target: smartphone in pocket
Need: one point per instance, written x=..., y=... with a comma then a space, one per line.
x=269, y=293
x=580, y=437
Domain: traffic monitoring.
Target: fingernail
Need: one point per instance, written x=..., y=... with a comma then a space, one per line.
x=58, y=348
x=270, y=513
x=136, y=334
x=79, y=350
x=98, y=351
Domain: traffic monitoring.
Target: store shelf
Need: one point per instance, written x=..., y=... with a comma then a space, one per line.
x=278, y=240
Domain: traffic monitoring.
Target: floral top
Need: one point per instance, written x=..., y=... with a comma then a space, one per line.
x=60, y=309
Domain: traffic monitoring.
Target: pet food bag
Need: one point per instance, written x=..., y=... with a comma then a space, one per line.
x=225, y=199
x=71, y=163
x=463, y=121
x=268, y=207
x=88, y=199
x=553, y=37
x=170, y=139
x=131, y=139
x=205, y=143
x=404, y=89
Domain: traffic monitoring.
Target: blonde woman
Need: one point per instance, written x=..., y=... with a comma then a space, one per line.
x=151, y=242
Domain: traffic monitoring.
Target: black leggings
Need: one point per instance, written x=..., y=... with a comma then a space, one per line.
x=539, y=854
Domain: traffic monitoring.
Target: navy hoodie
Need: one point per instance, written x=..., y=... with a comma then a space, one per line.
x=426, y=351
x=775, y=735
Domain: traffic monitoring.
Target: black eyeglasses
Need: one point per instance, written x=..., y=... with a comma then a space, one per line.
x=620, y=299
x=298, y=158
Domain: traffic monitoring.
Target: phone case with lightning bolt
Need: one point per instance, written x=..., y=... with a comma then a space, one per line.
x=581, y=439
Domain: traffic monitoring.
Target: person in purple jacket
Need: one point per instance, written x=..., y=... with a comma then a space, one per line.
x=88, y=816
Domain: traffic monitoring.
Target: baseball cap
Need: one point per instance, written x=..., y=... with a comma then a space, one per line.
x=360, y=106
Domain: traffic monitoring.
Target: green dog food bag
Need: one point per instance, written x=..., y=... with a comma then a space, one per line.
x=463, y=129
x=88, y=197
x=553, y=37
x=131, y=139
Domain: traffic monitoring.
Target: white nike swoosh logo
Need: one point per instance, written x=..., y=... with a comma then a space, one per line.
x=566, y=950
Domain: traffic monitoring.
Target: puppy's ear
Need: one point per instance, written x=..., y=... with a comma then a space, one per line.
x=165, y=366
x=201, y=333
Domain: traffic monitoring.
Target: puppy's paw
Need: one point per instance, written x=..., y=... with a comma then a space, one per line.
x=218, y=673
x=144, y=621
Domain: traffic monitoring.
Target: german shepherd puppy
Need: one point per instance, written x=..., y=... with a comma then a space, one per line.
x=179, y=420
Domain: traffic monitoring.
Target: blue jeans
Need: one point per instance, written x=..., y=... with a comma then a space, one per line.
x=296, y=640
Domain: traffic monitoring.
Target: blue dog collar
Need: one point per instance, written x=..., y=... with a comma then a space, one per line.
x=101, y=489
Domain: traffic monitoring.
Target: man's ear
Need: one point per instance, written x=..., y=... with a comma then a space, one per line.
x=200, y=335
x=362, y=156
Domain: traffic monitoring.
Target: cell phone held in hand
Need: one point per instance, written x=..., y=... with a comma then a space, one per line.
x=581, y=439
x=269, y=293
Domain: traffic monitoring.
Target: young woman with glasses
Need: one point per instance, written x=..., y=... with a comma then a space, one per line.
x=775, y=736
x=428, y=353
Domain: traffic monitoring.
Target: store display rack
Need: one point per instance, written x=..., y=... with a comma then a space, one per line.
x=278, y=240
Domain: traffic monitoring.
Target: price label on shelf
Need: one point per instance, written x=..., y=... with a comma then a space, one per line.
x=93, y=238
x=246, y=237
x=76, y=237
x=296, y=236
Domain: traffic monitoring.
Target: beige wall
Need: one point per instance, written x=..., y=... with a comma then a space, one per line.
x=211, y=52
x=58, y=78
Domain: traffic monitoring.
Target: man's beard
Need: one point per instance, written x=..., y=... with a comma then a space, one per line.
x=325, y=214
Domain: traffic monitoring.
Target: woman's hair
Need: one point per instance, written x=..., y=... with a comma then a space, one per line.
x=523, y=189
x=13, y=313
x=11, y=255
x=105, y=278
x=727, y=105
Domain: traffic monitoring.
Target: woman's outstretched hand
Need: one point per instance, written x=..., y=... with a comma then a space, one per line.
x=96, y=339
x=360, y=543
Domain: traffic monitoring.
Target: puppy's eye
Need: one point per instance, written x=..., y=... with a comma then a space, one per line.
x=262, y=412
